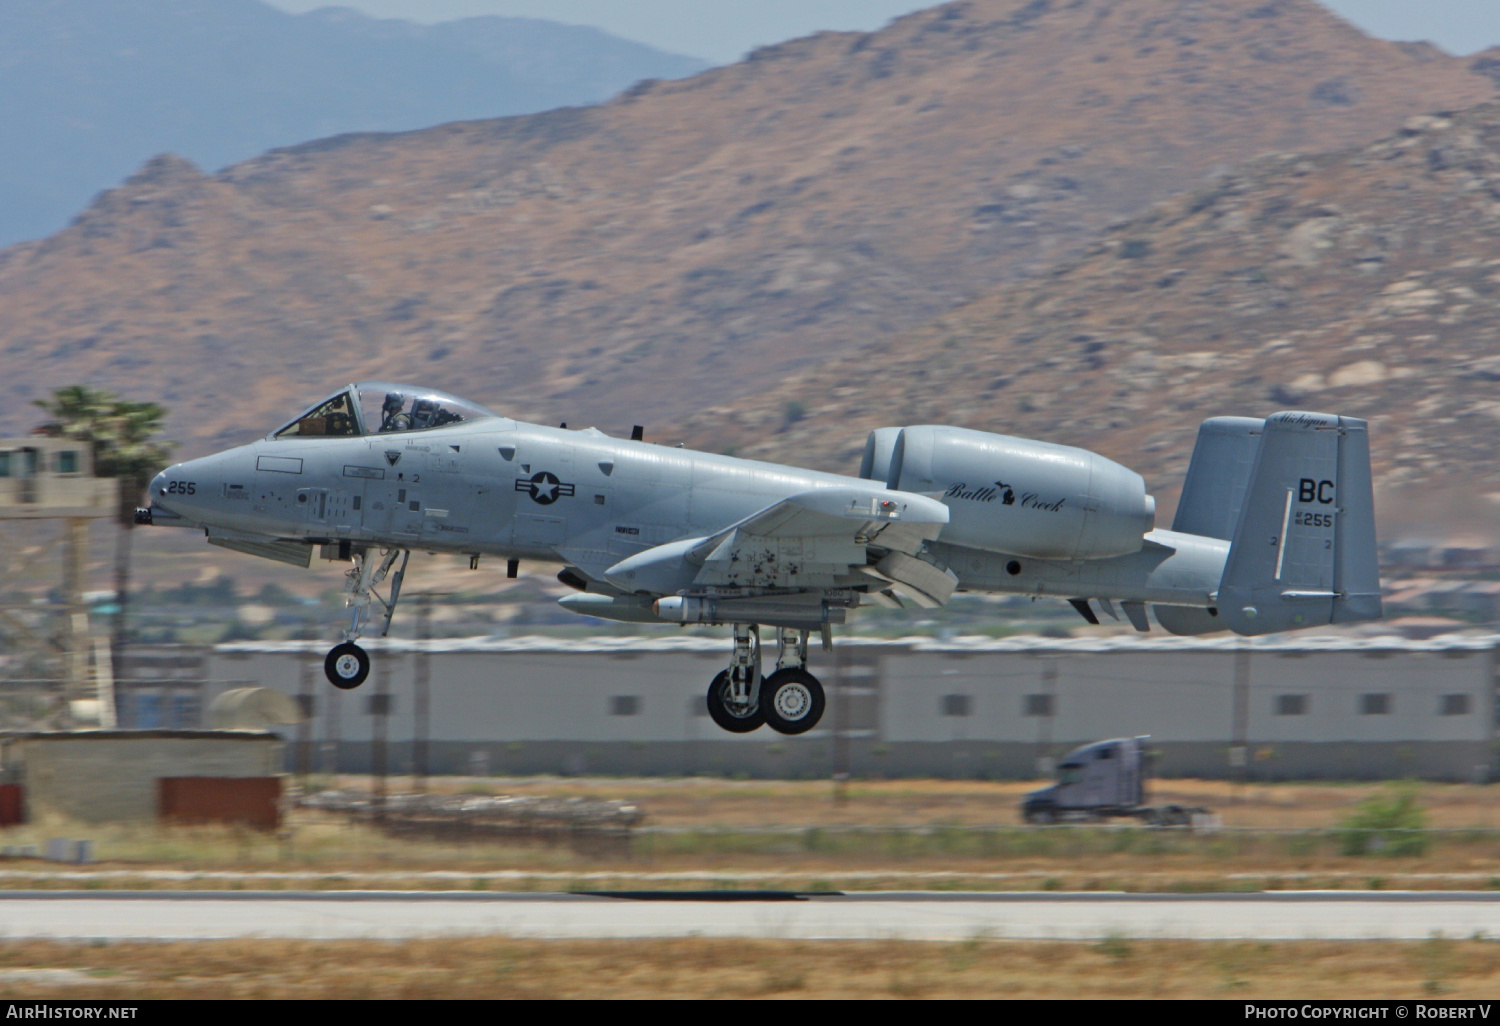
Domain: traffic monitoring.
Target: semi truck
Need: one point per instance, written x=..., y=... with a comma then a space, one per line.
x=1104, y=780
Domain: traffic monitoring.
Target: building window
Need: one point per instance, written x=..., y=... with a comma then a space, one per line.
x=957, y=705
x=1291, y=705
x=624, y=705
x=148, y=712
x=1454, y=705
x=382, y=704
x=185, y=710
x=1039, y=705
x=1374, y=705
x=66, y=462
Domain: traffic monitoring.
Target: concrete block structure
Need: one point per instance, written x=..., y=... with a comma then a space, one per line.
x=97, y=776
x=1320, y=707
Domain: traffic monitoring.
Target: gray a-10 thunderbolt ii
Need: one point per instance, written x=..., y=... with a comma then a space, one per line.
x=1274, y=531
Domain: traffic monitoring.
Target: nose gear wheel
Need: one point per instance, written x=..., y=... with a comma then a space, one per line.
x=346, y=666
x=793, y=701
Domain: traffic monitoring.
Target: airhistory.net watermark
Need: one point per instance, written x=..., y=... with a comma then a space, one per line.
x=52, y=1010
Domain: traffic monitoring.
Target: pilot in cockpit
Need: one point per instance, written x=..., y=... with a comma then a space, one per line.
x=391, y=417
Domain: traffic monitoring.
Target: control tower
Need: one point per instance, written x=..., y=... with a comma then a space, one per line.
x=45, y=646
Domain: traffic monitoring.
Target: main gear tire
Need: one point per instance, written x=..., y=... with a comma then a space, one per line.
x=346, y=666
x=728, y=715
x=793, y=701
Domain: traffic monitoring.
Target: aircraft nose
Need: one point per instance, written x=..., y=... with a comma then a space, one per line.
x=165, y=487
x=185, y=485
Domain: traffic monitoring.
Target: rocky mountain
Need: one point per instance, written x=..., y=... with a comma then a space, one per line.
x=95, y=87
x=692, y=243
x=1365, y=282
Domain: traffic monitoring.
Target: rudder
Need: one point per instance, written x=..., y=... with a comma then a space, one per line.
x=1303, y=551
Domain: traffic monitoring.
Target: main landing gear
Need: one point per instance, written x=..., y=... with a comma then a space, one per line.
x=347, y=665
x=789, y=701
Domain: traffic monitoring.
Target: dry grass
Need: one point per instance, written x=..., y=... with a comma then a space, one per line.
x=708, y=801
x=728, y=853
x=497, y=968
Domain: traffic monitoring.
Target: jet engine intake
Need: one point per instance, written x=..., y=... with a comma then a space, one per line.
x=875, y=465
x=1015, y=495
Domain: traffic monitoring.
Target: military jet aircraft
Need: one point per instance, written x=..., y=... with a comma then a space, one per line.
x=1274, y=531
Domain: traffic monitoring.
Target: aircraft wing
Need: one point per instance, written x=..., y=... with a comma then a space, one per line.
x=823, y=537
x=901, y=521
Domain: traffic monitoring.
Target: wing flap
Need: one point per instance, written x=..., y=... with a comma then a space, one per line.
x=815, y=539
x=922, y=583
x=909, y=519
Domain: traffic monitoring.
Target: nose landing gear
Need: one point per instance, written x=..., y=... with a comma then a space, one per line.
x=790, y=701
x=347, y=665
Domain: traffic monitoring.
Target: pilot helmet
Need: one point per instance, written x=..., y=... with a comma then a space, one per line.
x=393, y=402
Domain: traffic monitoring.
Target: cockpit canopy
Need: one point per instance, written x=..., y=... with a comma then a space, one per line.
x=378, y=407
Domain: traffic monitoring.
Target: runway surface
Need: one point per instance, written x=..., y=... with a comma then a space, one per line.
x=393, y=915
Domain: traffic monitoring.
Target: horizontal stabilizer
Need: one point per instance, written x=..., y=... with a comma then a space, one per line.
x=1189, y=621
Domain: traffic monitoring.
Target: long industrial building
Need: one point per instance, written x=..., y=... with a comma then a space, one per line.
x=1323, y=707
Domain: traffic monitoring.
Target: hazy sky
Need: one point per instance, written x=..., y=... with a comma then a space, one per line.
x=723, y=30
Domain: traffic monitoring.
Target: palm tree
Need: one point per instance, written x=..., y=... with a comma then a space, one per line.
x=121, y=435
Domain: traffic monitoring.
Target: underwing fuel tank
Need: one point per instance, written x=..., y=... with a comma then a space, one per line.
x=624, y=608
x=1017, y=496
x=710, y=609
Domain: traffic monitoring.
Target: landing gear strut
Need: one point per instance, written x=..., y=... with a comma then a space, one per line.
x=347, y=665
x=790, y=701
x=792, y=697
x=734, y=695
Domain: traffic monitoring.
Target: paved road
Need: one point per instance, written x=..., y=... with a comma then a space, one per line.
x=160, y=915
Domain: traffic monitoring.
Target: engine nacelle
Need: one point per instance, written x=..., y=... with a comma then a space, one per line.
x=1015, y=495
x=875, y=465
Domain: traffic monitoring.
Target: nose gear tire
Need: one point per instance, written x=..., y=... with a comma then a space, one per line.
x=346, y=666
x=793, y=701
x=728, y=716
